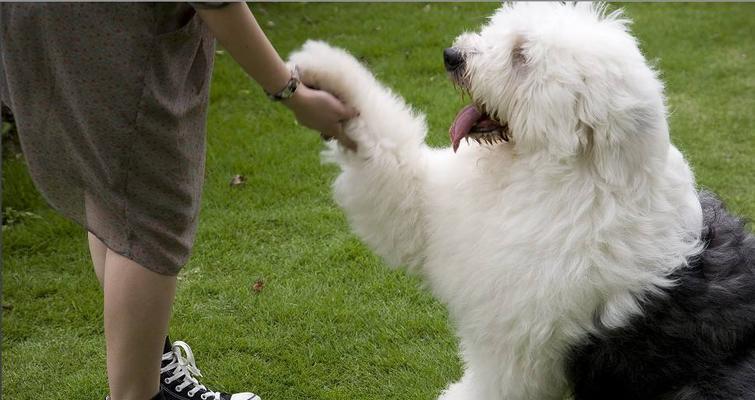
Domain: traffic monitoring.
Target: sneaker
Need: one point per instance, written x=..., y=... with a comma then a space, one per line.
x=177, y=377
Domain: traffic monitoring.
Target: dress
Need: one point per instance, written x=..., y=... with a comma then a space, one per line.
x=110, y=102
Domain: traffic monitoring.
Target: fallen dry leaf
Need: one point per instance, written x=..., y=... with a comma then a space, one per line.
x=238, y=180
x=258, y=286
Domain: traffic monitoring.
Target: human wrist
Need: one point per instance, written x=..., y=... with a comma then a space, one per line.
x=276, y=84
x=289, y=88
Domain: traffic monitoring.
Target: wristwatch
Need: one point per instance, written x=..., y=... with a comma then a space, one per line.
x=290, y=87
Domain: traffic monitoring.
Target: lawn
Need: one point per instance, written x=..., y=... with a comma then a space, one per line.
x=331, y=322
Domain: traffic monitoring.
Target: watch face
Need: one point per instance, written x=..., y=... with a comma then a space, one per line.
x=290, y=88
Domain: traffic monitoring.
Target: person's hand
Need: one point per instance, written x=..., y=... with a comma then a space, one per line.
x=323, y=112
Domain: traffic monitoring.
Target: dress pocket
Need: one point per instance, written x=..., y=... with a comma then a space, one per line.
x=181, y=64
x=174, y=20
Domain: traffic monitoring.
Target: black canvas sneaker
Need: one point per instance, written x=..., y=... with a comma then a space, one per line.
x=177, y=377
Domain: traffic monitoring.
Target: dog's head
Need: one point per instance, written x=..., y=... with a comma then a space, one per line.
x=566, y=80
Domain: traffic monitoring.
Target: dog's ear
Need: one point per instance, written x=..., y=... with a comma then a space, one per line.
x=552, y=127
x=618, y=138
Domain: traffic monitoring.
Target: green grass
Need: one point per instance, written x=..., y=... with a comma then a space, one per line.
x=332, y=322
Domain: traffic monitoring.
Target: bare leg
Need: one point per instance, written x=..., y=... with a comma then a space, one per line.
x=137, y=310
x=98, y=250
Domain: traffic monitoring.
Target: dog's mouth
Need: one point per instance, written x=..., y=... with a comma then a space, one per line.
x=473, y=122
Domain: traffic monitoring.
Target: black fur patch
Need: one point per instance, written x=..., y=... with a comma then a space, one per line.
x=695, y=343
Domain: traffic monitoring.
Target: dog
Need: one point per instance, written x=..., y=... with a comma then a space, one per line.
x=567, y=238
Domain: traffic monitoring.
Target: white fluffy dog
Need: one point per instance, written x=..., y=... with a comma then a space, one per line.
x=572, y=213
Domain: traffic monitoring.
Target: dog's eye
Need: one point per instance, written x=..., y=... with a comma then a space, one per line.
x=517, y=56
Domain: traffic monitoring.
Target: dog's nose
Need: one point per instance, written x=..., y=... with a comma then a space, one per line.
x=453, y=59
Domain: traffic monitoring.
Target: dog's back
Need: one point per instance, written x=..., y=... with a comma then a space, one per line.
x=696, y=342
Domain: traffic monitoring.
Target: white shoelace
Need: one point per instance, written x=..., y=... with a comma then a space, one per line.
x=185, y=369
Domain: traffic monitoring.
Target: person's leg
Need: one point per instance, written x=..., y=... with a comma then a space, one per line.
x=137, y=310
x=98, y=250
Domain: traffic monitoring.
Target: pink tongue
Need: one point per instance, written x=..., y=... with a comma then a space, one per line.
x=463, y=123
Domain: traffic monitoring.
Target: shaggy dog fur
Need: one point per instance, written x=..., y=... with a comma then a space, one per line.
x=571, y=246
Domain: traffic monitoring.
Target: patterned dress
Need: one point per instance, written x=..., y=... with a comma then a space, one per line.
x=110, y=101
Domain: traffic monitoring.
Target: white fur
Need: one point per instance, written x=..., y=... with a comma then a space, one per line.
x=586, y=209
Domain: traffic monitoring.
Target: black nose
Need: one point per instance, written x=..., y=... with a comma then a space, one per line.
x=453, y=59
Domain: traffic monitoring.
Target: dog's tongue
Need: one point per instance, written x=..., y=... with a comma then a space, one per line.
x=463, y=123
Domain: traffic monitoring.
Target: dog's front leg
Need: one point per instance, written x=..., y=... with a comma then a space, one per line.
x=381, y=184
x=467, y=388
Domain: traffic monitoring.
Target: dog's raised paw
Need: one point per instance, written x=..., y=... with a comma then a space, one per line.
x=330, y=68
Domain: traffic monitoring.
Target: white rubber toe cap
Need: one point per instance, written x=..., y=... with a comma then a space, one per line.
x=245, y=396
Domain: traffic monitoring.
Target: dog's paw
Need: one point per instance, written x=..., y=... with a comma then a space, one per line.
x=332, y=69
